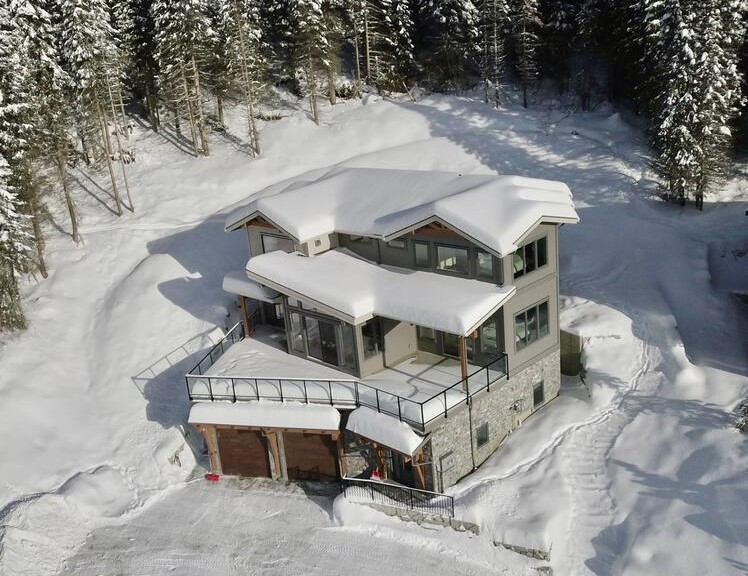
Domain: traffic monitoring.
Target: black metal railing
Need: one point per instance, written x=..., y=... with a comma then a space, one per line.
x=398, y=496
x=342, y=392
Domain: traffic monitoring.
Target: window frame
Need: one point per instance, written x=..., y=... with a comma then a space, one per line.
x=404, y=241
x=538, y=386
x=534, y=248
x=429, y=262
x=540, y=333
x=467, y=249
x=264, y=235
x=479, y=434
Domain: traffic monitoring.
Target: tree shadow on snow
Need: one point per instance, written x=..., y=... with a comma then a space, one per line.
x=597, y=170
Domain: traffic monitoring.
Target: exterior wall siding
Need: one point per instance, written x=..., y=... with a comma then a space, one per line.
x=504, y=408
x=399, y=341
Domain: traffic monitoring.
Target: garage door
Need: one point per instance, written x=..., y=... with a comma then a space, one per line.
x=243, y=452
x=310, y=456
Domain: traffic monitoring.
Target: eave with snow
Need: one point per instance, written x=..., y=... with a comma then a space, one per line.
x=399, y=299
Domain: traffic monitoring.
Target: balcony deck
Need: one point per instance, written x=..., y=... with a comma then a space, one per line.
x=417, y=390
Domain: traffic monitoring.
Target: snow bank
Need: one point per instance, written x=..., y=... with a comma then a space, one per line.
x=384, y=430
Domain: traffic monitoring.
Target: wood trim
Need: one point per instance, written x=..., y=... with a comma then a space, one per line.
x=341, y=457
x=333, y=433
x=272, y=438
x=245, y=316
x=260, y=222
x=419, y=469
x=211, y=440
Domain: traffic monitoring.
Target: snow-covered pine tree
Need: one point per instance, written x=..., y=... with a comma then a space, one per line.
x=28, y=35
x=139, y=49
x=695, y=47
x=94, y=65
x=526, y=25
x=332, y=18
x=216, y=65
x=559, y=32
x=310, y=47
x=493, y=17
x=393, y=43
x=15, y=251
x=246, y=63
x=453, y=32
x=181, y=33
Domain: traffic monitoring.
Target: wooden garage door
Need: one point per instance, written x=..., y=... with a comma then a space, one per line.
x=310, y=456
x=243, y=453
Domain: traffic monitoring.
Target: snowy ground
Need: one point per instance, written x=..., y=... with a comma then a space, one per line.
x=644, y=476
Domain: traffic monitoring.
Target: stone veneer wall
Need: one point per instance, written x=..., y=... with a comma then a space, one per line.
x=503, y=408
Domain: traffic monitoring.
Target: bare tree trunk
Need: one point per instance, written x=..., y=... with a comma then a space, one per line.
x=105, y=131
x=131, y=206
x=312, y=86
x=219, y=106
x=63, y=173
x=152, y=112
x=331, y=90
x=357, y=84
x=200, y=119
x=367, y=55
x=254, y=137
x=38, y=236
x=190, y=115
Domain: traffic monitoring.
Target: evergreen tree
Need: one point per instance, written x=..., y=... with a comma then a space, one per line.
x=15, y=250
x=141, y=67
x=493, y=17
x=526, y=25
x=453, y=28
x=311, y=48
x=559, y=32
x=181, y=33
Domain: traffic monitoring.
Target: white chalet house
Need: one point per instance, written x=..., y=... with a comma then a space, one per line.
x=393, y=320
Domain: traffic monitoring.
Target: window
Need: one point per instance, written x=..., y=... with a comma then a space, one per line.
x=422, y=254
x=489, y=337
x=538, y=394
x=530, y=256
x=372, y=337
x=452, y=259
x=531, y=325
x=425, y=333
x=481, y=435
x=271, y=243
x=399, y=243
x=359, y=239
x=483, y=265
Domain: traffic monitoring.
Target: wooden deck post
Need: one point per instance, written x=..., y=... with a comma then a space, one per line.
x=463, y=361
x=416, y=463
x=211, y=440
x=277, y=469
x=341, y=457
x=245, y=316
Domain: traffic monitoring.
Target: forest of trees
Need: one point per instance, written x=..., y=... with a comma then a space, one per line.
x=72, y=70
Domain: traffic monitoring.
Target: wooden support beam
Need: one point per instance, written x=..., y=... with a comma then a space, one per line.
x=211, y=440
x=282, y=455
x=245, y=316
x=419, y=470
x=341, y=457
x=272, y=438
x=463, y=361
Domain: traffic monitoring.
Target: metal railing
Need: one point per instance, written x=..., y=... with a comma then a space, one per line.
x=398, y=496
x=342, y=392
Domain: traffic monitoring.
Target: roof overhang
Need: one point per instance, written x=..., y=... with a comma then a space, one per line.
x=355, y=290
x=385, y=430
x=237, y=282
x=266, y=415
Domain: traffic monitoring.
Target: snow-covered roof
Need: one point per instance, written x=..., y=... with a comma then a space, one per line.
x=384, y=430
x=237, y=282
x=292, y=415
x=355, y=290
x=494, y=211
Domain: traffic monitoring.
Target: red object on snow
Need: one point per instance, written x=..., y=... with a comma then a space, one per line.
x=212, y=477
x=375, y=475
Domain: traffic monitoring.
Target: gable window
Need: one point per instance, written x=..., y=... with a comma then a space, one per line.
x=481, y=435
x=422, y=256
x=531, y=325
x=271, y=243
x=538, y=394
x=530, y=256
x=483, y=265
x=399, y=243
x=452, y=259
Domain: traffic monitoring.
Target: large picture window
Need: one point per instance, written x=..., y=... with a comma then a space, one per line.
x=530, y=256
x=322, y=338
x=271, y=243
x=531, y=325
x=452, y=259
